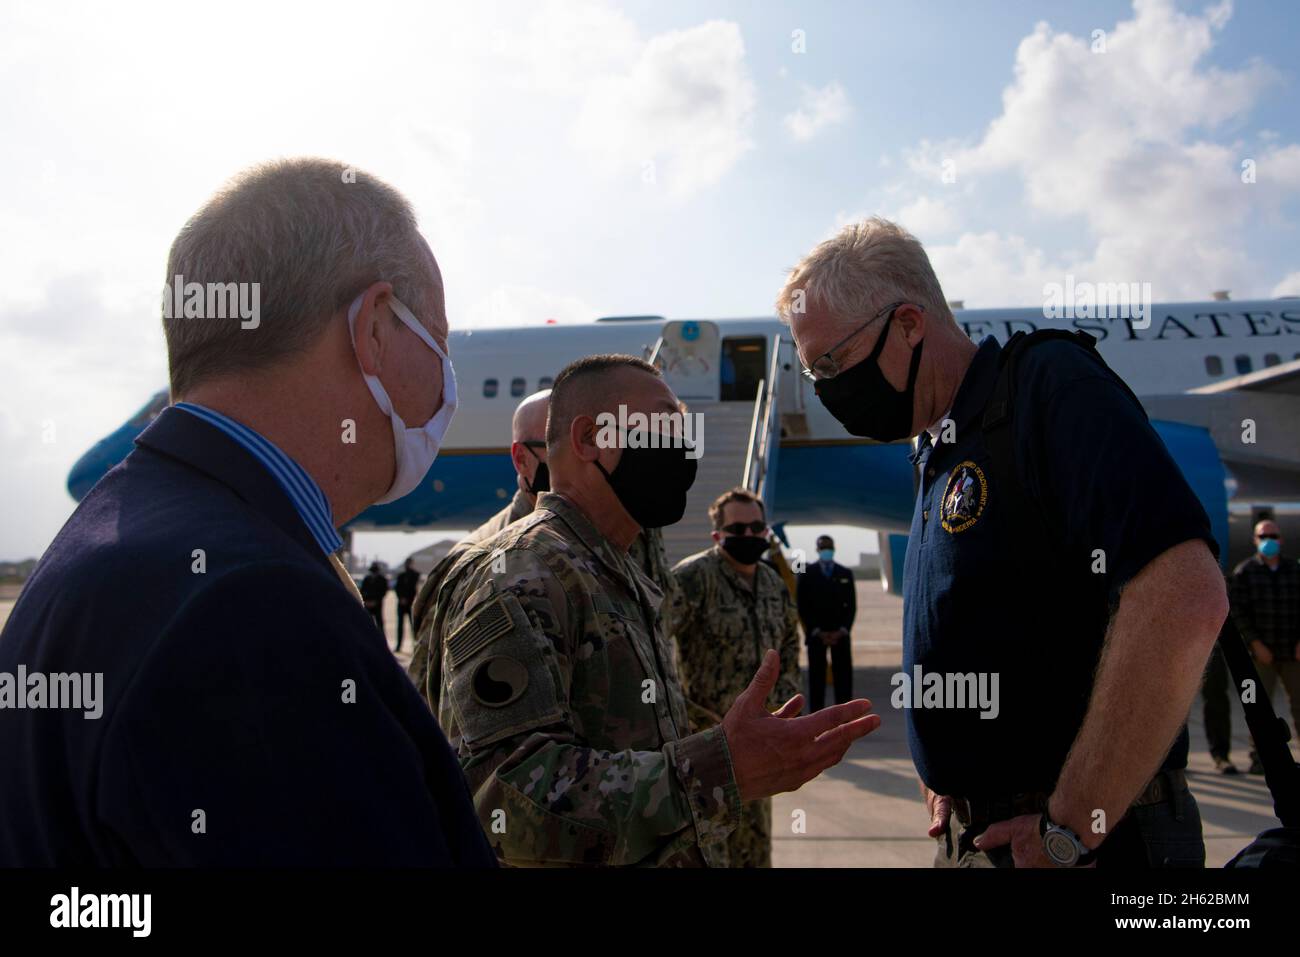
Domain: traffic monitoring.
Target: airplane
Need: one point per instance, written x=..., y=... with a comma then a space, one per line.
x=1200, y=368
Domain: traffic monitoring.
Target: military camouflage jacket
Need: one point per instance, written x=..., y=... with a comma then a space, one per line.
x=519, y=506
x=723, y=629
x=559, y=695
x=647, y=553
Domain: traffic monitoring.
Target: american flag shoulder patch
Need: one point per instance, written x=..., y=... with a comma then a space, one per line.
x=489, y=622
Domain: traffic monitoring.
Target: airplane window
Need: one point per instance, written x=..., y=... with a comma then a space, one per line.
x=489, y=388
x=1243, y=364
x=1213, y=365
x=517, y=387
x=1272, y=359
x=545, y=382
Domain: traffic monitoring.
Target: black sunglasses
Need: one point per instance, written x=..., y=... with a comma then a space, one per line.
x=740, y=528
x=1269, y=535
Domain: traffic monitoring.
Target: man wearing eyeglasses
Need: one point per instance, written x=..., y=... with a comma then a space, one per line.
x=1056, y=554
x=734, y=608
x=1265, y=594
x=532, y=475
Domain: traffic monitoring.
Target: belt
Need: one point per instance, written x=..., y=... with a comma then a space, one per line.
x=981, y=812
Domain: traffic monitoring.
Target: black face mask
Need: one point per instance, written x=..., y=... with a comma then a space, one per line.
x=746, y=549
x=864, y=402
x=652, y=483
x=541, y=478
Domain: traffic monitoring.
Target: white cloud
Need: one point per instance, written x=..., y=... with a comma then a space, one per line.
x=484, y=115
x=1112, y=158
x=1289, y=286
x=678, y=116
x=818, y=109
x=992, y=269
x=928, y=217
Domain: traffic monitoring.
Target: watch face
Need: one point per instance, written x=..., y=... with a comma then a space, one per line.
x=1060, y=848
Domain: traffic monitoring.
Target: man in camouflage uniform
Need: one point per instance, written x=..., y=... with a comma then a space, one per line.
x=528, y=454
x=734, y=608
x=648, y=555
x=558, y=690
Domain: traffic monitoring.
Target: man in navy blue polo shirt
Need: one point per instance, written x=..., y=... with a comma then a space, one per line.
x=250, y=715
x=1061, y=589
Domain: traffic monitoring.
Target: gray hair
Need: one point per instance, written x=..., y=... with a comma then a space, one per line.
x=860, y=270
x=312, y=234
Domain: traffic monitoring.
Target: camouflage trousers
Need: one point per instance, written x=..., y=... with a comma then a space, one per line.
x=750, y=844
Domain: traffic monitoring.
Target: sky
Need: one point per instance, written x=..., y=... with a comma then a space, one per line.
x=588, y=158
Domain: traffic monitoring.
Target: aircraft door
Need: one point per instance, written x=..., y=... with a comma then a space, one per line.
x=689, y=359
x=743, y=367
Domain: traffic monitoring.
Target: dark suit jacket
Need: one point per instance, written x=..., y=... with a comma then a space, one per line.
x=228, y=688
x=374, y=587
x=406, y=586
x=826, y=603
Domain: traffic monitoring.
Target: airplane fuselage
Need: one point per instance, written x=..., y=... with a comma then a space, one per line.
x=823, y=474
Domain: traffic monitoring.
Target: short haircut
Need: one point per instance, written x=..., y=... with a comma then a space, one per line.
x=313, y=234
x=827, y=539
x=581, y=389
x=862, y=269
x=736, y=494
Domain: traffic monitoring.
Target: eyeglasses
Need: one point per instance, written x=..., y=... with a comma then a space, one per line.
x=824, y=366
x=1269, y=535
x=740, y=528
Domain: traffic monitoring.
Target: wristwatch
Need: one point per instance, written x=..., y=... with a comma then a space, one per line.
x=1062, y=846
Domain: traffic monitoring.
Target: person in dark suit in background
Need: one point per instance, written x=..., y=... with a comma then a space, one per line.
x=249, y=715
x=373, y=589
x=406, y=587
x=828, y=603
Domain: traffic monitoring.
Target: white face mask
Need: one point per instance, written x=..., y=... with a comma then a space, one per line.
x=416, y=448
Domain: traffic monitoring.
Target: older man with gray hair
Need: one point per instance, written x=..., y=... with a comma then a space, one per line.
x=253, y=716
x=1057, y=559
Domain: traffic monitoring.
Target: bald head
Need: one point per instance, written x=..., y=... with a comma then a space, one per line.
x=1267, y=527
x=1268, y=541
x=529, y=423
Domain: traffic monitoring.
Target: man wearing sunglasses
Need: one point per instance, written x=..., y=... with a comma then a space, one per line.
x=1265, y=594
x=532, y=476
x=1055, y=547
x=734, y=608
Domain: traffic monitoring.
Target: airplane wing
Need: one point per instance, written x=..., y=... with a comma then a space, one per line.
x=1283, y=379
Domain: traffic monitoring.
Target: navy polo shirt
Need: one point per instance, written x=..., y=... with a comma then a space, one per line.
x=979, y=602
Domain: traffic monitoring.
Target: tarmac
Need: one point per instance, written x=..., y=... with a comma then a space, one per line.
x=867, y=811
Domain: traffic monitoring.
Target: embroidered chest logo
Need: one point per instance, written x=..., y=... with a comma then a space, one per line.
x=964, y=497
